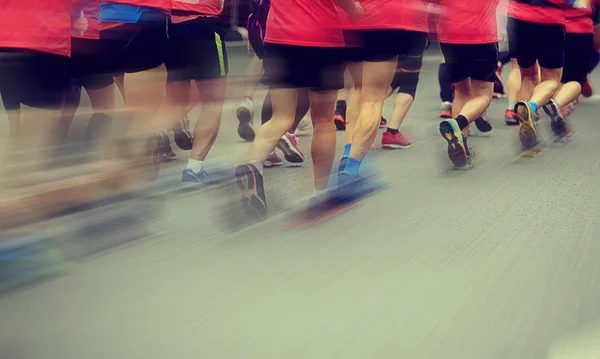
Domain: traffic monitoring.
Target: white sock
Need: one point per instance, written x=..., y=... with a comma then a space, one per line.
x=258, y=165
x=195, y=165
x=511, y=105
x=320, y=194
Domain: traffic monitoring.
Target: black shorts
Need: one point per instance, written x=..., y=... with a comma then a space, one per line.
x=529, y=42
x=315, y=68
x=478, y=61
x=90, y=64
x=32, y=78
x=578, y=51
x=383, y=45
x=137, y=47
x=195, y=52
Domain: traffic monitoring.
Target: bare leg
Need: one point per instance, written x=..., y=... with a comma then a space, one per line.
x=212, y=96
x=323, y=142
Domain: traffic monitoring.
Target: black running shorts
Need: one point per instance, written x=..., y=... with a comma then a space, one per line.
x=478, y=61
x=32, y=78
x=529, y=42
x=383, y=45
x=195, y=52
x=137, y=47
x=578, y=51
x=315, y=68
x=90, y=64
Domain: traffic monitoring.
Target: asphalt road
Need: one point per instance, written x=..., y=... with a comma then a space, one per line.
x=500, y=262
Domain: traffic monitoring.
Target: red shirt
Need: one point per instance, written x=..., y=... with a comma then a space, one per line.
x=313, y=23
x=86, y=19
x=540, y=15
x=468, y=22
x=40, y=25
x=391, y=14
x=579, y=21
x=206, y=7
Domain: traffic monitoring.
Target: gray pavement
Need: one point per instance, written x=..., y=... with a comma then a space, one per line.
x=499, y=262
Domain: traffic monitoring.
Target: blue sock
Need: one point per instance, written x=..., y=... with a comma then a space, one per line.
x=534, y=106
x=346, y=150
x=352, y=166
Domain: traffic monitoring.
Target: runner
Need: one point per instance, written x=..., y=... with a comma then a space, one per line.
x=579, y=47
x=257, y=23
x=538, y=35
x=89, y=69
x=471, y=52
x=303, y=44
x=389, y=30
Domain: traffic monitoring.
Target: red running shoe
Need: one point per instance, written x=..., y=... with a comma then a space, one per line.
x=587, y=90
x=510, y=118
x=394, y=141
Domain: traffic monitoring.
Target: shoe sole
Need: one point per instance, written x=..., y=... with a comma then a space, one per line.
x=556, y=117
x=290, y=152
x=339, y=125
x=251, y=203
x=272, y=164
x=448, y=134
x=245, y=131
x=395, y=147
x=527, y=134
x=511, y=122
x=486, y=130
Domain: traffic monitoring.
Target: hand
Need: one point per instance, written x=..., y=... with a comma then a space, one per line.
x=356, y=12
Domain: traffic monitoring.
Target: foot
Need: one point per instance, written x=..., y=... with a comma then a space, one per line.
x=483, y=123
x=250, y=182
x=182, y=134
x=498, y=87
x=527, y=131
x=349, y=188
x=383, y=122
x=245, y=113
x=288, y=144
x=451, y=132
x=446, y=110
x=273, y=160
x=200, y=177
x=394, y=141
x=557, y=122
x=340, y=122
x=165, y=149
x=510, y=118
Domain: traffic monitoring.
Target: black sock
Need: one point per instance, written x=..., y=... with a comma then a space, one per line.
x=392, y=131
x=462, y=122
x=340, y=107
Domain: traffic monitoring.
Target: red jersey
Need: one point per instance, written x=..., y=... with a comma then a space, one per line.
x=86, y=19
x=579, y=21
x=468, y=22
x=391, y=14
x=205, y=7
x=40, y=25
x=536, y=14
x=313, y=23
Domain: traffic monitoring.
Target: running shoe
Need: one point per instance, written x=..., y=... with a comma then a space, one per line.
x=253, y=199
x=446, y=110
x=383, y=122
x=182, y=134
x=189, y=176
x=165, y=149
x=349, y=188
x=483, y=123
x=245, y=113
x=288, y=144
x=527, y=131
x=587, y=90
x=557, y=122
x=498, y=86
x=273, y=160
x=339, y=118
x=396, y=141
x=510, y=118
x=451, y=132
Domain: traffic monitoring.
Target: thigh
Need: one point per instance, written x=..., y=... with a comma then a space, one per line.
x=195, y=52
x=578, y=50
x=482, y=62
x=454, y=57
x=44, y=81
x=551, y=51
x=523, y=42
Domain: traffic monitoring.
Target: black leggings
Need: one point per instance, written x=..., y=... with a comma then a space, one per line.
x=301, y=109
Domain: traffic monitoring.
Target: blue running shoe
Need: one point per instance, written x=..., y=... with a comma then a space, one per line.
x=200, y=177
x=349, y=188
